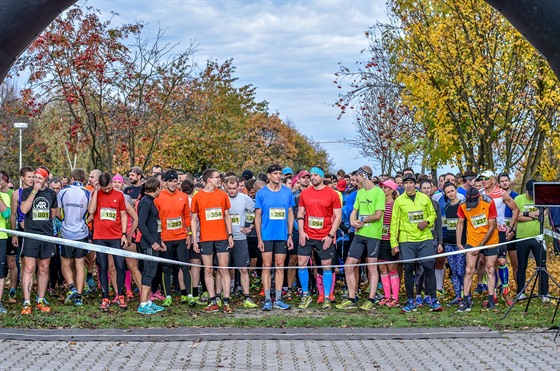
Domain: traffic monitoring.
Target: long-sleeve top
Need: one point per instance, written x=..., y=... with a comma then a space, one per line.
x=148, y=220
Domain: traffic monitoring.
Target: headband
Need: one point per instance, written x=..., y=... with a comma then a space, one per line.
x=316, y=170
x=364, y=173
x=44, y=173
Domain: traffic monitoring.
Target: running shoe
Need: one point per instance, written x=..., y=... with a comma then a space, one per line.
x=419, y=302
x=87, y=291
x=440, y=293
x=262, y=292
x=205, y=296
x=129, y=295
x=436, y=306
x=332, y=298
x=267, y=307
x=347, y=304
x=326, y=304
x=455, y=301
x=91, y=284
x=43, y=306
x=279, y=304
x=464, y=306
x=167, y=302
x=212, y=307
x=201, y=301
x=78, y=302
x=521, y=296
x=249, y=304
x=227, y=309
x=12, y=296
x=506, y=296
x=491, y=306
x=219, y=300
x=44, y=300
x=289, y=295
x=157, y=296
x=410, y=306
x=115, y=299
x=383, y=301
x=393, y=303
x=105, y=304
x=479, y=289
x=2, y=309
x=146, y=309
x=191, y=300
x=26, y=310
x=320, y=299
x=122, y=302
x=71, y=296
x=427, y=301
x=368, y=305
x=156, y=307
x=305, y=301
x=546, y=299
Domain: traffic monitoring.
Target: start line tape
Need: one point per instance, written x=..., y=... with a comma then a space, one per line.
x=135, y=255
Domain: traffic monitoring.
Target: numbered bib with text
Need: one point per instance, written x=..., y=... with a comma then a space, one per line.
x=479, y=220
x=41, y=214
x=315, y=222
x=416, y=217
x=529, y=208
x=235, y=219
x=108, y=213
x=214, y=214
x=385, y=230
x=452, y=224
x=174, y=223
x=277, y=213
x=250, y=217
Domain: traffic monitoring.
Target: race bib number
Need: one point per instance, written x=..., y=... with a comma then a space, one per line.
x=416, y=217
x=41, y=214
x=277, y=213
x=107, y=213
x=250, y=217
x=530, y=208
x=362, y=218
x=385, y=230
x=159, y=226
x=315, y=222
x=214, y=214
x=235, y=219
x=174, y=223
x=444, y=221
x=452, y=224
x=479, y=221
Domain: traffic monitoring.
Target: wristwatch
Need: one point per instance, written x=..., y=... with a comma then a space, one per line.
x=330, y=236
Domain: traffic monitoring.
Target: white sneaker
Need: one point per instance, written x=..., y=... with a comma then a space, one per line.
x=546, y=299
x=521, y=296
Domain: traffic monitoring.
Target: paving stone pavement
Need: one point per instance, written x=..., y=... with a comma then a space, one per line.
x=489, y=351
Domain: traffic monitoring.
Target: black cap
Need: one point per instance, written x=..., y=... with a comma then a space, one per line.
x=409, y=178
x=247, y=174
x=529, y=187
x=470, y=175
x=472, y=198
x=137, y=170
x=170, y=175
x=272, y=168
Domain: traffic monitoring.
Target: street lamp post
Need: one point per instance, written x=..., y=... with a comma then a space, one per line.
x=21, y=126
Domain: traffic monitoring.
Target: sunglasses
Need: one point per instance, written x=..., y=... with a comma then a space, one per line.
x=484, y=178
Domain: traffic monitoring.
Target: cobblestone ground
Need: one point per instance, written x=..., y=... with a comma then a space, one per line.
x=500, y=351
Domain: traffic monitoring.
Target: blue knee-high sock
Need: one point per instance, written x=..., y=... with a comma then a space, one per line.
x=504, y=275
x=303, y=275
x=327, y=282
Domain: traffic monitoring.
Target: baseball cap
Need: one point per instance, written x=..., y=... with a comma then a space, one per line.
x=409, y=178
x=137, y=170
x=470, y=175
x=247, y=174
x=488, y=174
x=170, y=175
x=287, y=171
x=295, y=180
x=272, y=168
x=472, y=198
x=5, y=176
x=389, y=183
x=341, y=185
x=303, y=173
x=529, y=186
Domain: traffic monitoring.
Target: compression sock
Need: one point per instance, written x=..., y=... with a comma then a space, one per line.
x=278, y=295
x=395, y=284
x=127, y=281
x=320, y=287
x=327, y=282
x=386, y=282
x=440, y=273
x=504, y=275
x=267, y=294
x=303, y=275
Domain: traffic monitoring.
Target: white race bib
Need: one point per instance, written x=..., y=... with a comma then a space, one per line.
x=277, y=213
x=235, y=219
x=529, y=208
x=416, y=217
x=214, y=214
x=452, y=224
x=315, y=222
x=250, y=217
x=385, y=230
x=41, y=214
x=159, y=226
x=108, y=213
x=479, y=220
x=174, y=223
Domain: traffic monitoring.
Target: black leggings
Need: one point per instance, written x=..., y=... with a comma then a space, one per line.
x=523, y=250
x=103, y=262
x=183, y=256
x=3, y=252
x=429, y=278
x=150, y=267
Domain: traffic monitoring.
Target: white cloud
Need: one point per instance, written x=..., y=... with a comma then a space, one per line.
x=289, y=50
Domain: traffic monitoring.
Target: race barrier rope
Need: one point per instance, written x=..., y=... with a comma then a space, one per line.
x=136, y=255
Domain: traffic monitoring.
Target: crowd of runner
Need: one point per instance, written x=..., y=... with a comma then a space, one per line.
x=282, y=231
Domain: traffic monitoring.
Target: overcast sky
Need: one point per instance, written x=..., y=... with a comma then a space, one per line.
x=289, y=50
